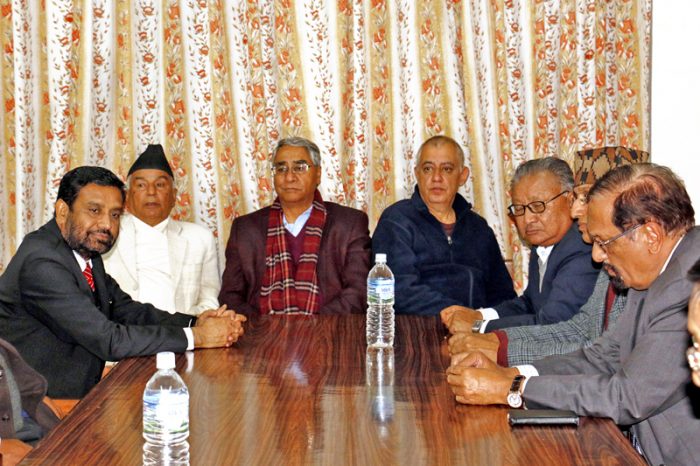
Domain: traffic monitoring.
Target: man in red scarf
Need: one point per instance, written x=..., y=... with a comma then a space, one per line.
x=301, y=255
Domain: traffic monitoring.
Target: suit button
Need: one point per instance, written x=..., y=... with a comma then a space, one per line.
x=5, y=417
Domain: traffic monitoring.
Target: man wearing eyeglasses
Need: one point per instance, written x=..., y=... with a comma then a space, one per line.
x=642, y=225
x=301, y=255
x=442, y=253
x=523, y=345
x=561, y=273
x=156, y=259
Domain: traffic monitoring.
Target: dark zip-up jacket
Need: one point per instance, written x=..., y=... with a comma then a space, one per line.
x=433, y=271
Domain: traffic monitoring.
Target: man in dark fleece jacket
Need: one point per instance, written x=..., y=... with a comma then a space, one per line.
x=443, y=255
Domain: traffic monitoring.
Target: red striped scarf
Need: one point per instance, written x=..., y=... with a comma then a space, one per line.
x=280, y=292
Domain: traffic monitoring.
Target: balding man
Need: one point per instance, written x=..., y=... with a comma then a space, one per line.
x=443, y=254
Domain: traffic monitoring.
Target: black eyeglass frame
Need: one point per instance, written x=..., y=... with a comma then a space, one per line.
x=536, y=207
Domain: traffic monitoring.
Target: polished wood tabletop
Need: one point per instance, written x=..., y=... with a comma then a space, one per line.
x=303, y=390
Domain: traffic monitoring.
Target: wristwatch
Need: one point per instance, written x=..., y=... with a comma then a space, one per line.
x=515, y=396
x=476, y=326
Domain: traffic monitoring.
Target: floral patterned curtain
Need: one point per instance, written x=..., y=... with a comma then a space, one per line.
x=218, y=82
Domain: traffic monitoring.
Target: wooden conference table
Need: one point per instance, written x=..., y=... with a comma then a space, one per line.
x=295, y=391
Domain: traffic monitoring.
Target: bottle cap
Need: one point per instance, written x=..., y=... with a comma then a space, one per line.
x=380, y=258
x=165, y=360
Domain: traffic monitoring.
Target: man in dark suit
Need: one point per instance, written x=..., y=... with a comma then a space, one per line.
x=66, y=316
x=561, y=273
x=301, y=255
x=641, y=221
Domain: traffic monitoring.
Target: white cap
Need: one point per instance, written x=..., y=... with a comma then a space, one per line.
x=165, y=360
x=380, y=257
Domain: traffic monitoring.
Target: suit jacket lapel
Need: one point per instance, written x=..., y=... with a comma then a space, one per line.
x=177, y=249
x=98, y=276
x=72, y=262
x=633, y=312
x=554, y=258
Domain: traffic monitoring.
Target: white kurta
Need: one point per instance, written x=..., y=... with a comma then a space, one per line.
x=175, y=261
x=153, y=270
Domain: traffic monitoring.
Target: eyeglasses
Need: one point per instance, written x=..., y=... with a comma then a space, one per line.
x=298, y=168
x=536, y=207
x=603, y=245
x=693, y=355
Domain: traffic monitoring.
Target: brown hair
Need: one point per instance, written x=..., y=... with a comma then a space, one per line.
x=645, y=192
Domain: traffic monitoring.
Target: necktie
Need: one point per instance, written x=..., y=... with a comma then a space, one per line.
x=87, y=272
x=542, y=265
x=609, y=300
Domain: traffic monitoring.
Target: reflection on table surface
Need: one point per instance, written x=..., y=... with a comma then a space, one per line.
x=304, y=390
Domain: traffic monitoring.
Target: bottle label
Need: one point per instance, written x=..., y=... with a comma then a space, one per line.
x=380, y=290
x=385, y=289
x=173, y=412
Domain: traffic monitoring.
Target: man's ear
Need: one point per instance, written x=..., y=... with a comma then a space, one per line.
x=61, y=209
x=464, y=176
x=318, y=176
x=653, y=236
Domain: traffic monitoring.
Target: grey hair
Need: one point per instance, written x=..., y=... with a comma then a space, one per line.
x=296, y=141
x=438, y=141
x=553, y=165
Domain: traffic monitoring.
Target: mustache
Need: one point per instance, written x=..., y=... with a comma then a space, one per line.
x=108, y=233
x=615, y=278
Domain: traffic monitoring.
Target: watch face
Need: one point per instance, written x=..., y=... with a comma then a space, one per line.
x=515, y=400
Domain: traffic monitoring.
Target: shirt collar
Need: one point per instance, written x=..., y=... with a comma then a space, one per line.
x=668, y=259
x=161, y=227
x=543, y=252
x=296, y=227
x=81, y=261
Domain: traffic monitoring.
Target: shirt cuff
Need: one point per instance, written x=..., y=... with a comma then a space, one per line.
x=190, y=338
x=489, y=313
x=482, y=328
x=528, y=370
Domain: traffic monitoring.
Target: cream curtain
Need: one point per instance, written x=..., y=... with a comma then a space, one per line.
x=218, y=82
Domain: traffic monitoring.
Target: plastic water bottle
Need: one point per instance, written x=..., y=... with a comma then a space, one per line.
x=380, y=305
x=166, y=418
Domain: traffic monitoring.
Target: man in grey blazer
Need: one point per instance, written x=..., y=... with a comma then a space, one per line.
x=641, y=221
